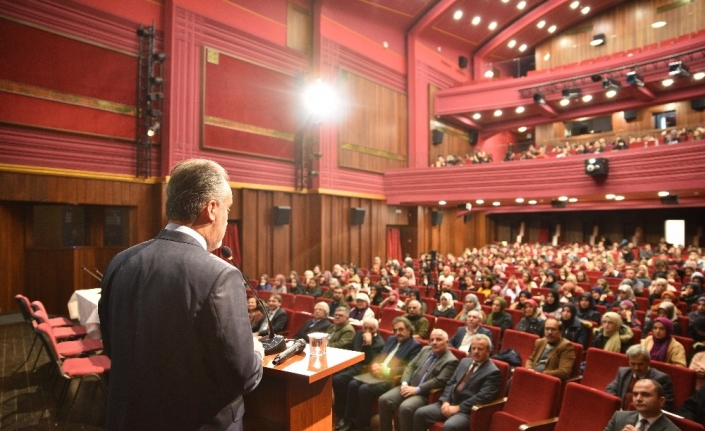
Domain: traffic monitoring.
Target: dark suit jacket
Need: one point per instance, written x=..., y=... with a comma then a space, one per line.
x=460, y=334
x=371, y=351
x=694, y=407
x=279, y=319
x=620, y=384
x=406, y=352
x=175, y=325
x=438, y=376
x=320, y=326
x=343, y=338
x=481, y=388
x=560, y=360
x=623, y=418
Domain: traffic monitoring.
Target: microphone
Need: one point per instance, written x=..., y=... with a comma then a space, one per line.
x=275, y=343
x=295, y=348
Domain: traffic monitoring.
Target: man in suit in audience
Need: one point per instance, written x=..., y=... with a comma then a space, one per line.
x=553, y=354
x=477, y=380
x=319, y=323
x=277, y=315
x=338, y=301
x=694, y=407
x=639, y=368
x=648, y=402
x=341, y=332
x=430, y=369
x=463, y=336
x=396, y=354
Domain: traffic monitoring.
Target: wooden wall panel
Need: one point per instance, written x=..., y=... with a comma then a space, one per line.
x=12, y=236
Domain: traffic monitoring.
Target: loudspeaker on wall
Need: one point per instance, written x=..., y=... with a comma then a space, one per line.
x=670, y=200
x=281, y=215
x=472, y=136
x=558, y=204
x=462, y=62
x=698, y=104
x=437, y=136
x=436, y=218
x=357, y=216
x=596, y=167
x=630, y=115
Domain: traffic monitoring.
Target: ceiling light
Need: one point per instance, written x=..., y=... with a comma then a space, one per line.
x=698, y=76
x=476, y=116
x=521, y=4
x=585, y=10
x=439, y=49
x=476, y=20
x=611, y=84
x=532, y=202
x=564, y=102
x=541, y=24
x=521, y=129
x=441, y=202
x=634, y=79
x=489, y=74
x=667, y=82
x=573, y=200
x=551, y=29
x=538, y=98
x=479, y=202
x=153, y=129
x=519, y=110
x=498, y=113
x=563, y=198
x=609, y=196
x=587, y=98
x=505, y=1
x=619, y=198
x=522, y=48
x=677, y=68
x=385, y=44
x=512, y=43
x=596, y=78
x=575, y=4
x=519, y=200
x=598, y=39
x=658, y=24
x=458, y=14
x=493, y=25
x=571, y=92
x=546, y=57
x=662, y=194
x=611, y=93
x=496, y=203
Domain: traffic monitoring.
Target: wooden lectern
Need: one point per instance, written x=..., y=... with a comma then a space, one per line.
x=297, y=395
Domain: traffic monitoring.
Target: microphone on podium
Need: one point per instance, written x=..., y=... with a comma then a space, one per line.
x=295, y=348
x=275, y=343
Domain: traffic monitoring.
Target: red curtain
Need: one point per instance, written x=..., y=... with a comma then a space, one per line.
x=394, y=243
x=232, y=240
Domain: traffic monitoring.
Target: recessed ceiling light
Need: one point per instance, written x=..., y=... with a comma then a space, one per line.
x=479, y=202
x=609, y=196
x=585, y=10
x=619, y=198
x=520, y=109
x=476, y=20
x=575, y=4
x=458, y=14
x=573, y=200
x=564, y=102
x=522, y=48
x=698, y=76
x=489, y=74
x=563, y=198
x=520, y=200
x=441, y=202
x=541, y=24
x=521, y=4
x=551, y=29
x=546, y=57
x=667, y=82
x=505, y=1
x=587, y=98
x=476, y=116
x=493, y=25
x=662, y=194
x=521, y=129
x=658, y=24
x=611, y=93
x=385, y=44
x=496, y=203
x=498, y=113
x=532, y=202
x=512, y=43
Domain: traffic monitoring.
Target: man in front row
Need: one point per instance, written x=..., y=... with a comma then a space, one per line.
x=341, y=333
x=319, y=323
x=553, y=354
x=431, y=369
x=639, y=368
x=648, y=402
x=476, y=381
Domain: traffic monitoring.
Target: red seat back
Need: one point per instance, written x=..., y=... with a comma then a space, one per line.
x=304, y=303
x=388, y=315
x=522, y=342
x=601, y=367
x=298, y=318
x=683, y=379
x=496, y=335
x=575, y=399
x=449, y=325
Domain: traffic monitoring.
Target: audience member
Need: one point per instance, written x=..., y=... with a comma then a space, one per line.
x=277, y=315
x=445, y=307
x=498, y=317
x=420, y=323
x=341, y=332
x=463, y=336
x=574, y=329
x=662, y=346
x=471, y=302
x=362, y=310
x=586, y=308
x=255, y=313
x=392, y=301
x=612, y=336
x=553, y=354
x=639, y=368
x=533, y=319
x=648, y=401
x=319, y=322
x=551, y=306
x=279, y=284
x=694, y=407
x=627, y=312
x=338, y=297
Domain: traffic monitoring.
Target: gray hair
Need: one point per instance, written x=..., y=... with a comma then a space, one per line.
x=193, y=183
x=483, y=337
x=371, y=321
x=324, y=305
x=638, y=350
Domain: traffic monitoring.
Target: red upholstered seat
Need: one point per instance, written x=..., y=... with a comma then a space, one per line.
x=522, y=342
x=62, y=332
x=684, y=424
x=601, y=367
x=449, y=325
x=388, y=315
x=496, y=336
x=304, y=303
x=683, y=379
x=68, y=349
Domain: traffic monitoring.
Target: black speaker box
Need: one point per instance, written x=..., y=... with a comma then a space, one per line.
x=698, y=104
x=357, y=216
x=436, y=218
x=596, y=167
x=467, y=217
x=630, y=115
x=472, y=136
x=558, y=204
x=437, y=136
x=462, y=62
x=670, y=200
x=281, y=216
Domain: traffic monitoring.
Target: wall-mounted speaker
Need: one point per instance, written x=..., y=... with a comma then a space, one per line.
x=357, y=216
x=436, y=218
x=596, y=167
x=630, y=115
x=698, y=104
x=462, y=62
x=670, y=200
x=437, y=136
x=281, y=215
x=472, y=136
x=467, y=217
x=558, y=204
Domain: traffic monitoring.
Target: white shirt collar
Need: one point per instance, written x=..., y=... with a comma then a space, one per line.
x=188, y=231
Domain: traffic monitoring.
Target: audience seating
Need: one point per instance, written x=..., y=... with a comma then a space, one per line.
x=298, y=318
x=449, y=325
x=601, y=367
x=304, y=303
x=288, y=300
x=289, y=329
x=264, y=294
x=388, y=315
x=683, y=381
x=516, y=316
x=62, y=332
x=496, y=336
x=687, y=343
x=522, y=342
x=684, y=424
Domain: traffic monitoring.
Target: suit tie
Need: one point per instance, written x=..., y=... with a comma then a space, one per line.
x=459, y=387
x=629, y=395
x=643, y=424
x=420, y=375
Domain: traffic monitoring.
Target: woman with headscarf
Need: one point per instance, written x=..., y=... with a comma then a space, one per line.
x=392, y=301
x=498, y=317
x=662, y=346
x=586, y=308
x=573, y=328
x=295, y=285
x=470, y=302
x=445, y=307
x=613, y=335
x=628, y=314
x=667, y=310
x=493, y=293
x=551, y=305
x=668, y=296
x=519, y=304
x=599, y=297
x=533, y=319
x=550, y=281
x=625, y=291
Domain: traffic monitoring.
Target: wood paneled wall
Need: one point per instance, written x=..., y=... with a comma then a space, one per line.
x=456, y=142
x=453, y=235
x=626, y=27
